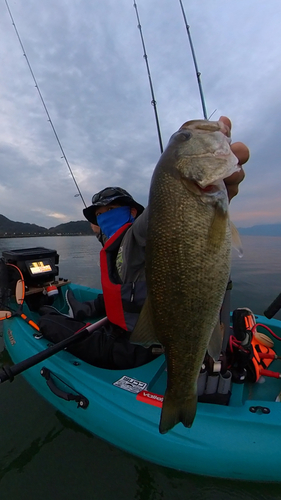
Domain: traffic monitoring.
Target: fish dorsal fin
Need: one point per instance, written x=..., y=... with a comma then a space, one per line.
x=215, y=342
x=235, y=239
x=143, y=332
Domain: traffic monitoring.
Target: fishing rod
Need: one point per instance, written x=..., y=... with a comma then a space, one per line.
x=153, y=102
x=9, y=372
x=198, y=74
x=44, y=105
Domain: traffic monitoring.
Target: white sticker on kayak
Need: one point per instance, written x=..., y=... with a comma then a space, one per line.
x=130, y=384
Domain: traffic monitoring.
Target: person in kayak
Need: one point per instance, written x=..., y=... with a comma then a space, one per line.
x=120, y=224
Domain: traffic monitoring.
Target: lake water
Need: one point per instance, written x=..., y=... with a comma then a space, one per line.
x=45, y=456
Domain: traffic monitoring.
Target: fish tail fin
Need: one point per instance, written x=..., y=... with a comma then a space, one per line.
x=172, y=414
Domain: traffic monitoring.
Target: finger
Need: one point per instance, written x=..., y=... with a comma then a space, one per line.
x=232, y=183
x=232, y=191
x=235, y=178
x=241, y=152
x=226, y=121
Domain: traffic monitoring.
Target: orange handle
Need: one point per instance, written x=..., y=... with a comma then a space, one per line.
x=30, y=322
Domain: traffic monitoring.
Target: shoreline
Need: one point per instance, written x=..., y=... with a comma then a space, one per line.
x=8, y=236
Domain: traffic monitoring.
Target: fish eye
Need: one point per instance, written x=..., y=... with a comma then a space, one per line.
x=185, y=135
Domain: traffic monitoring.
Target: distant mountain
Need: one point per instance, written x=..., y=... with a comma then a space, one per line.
x=261, y=230
x=11, y=229
x=78, y=227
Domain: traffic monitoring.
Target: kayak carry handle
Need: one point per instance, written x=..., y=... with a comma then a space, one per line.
x=82, y=401
x=273, y=308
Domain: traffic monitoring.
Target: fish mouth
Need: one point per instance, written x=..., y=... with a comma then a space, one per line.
x=210, y=188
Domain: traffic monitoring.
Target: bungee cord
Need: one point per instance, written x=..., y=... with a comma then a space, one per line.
x=44, y=105
x=153, y=102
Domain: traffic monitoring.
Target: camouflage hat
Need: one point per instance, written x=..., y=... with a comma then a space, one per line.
x=107, y=196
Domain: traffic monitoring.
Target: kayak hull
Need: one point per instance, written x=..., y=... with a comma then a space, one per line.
x=239, y=441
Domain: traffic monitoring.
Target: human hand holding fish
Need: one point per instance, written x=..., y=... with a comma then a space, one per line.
x=242, y=153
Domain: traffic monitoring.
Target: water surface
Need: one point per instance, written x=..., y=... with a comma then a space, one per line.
x=45, y=456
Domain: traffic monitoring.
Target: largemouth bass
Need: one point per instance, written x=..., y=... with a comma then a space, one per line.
x=188, y=255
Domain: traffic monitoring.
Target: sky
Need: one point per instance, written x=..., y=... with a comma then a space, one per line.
x=87, y=59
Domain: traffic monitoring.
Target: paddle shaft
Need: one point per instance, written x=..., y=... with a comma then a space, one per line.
x=9, y=372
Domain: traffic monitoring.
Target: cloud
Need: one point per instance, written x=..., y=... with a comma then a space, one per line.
x=89, y=65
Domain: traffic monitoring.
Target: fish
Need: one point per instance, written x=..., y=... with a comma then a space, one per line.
x=187, y=260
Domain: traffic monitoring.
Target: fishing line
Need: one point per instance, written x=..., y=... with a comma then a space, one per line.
x=153, y=102
x=198, y=74
x=44, y=105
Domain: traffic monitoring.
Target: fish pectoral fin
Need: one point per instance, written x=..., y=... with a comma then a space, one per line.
x=215, y=342
x=173, y=413
x=235, y=239
x=143, y=332
x=218, y=228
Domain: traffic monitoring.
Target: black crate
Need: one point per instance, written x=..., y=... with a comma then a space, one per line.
x=38, y=265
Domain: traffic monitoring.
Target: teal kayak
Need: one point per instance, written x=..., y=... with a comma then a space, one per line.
x=239, y=441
